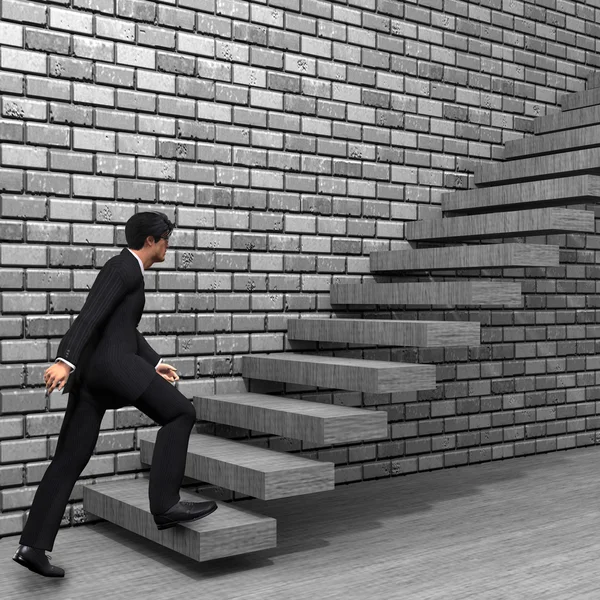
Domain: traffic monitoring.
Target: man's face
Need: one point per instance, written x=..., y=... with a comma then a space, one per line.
x=160, y=247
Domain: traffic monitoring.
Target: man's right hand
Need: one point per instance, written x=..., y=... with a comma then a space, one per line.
x=56, y=375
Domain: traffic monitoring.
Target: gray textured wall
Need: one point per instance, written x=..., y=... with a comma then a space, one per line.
x=287, y=139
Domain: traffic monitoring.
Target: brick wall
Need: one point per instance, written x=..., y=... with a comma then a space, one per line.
x=287, y=139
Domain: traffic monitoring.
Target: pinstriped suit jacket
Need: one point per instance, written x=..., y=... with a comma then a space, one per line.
x=103, y=342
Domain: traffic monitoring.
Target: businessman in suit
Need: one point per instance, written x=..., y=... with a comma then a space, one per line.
x=103, y=361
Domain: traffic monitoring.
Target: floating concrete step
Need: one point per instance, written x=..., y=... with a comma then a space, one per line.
x=551, y=143
x=258, y=472
x=226, y=532
x=537, y=221
x=437, y=293
x=340, y=373
x=576, y=162
x=425, y=334
x=580, y=99
x=559, y=121
x=466, y=257
x=292, y=418
x=580, y=189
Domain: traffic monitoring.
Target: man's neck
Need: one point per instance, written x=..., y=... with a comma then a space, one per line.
x=147, y=262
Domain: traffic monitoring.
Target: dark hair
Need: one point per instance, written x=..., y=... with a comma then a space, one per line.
x=143, y=224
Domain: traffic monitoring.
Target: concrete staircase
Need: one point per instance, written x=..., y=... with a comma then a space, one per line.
x=524, y=195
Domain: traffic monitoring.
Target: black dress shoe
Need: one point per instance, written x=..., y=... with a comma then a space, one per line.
x=35, y=560
x=183, y=512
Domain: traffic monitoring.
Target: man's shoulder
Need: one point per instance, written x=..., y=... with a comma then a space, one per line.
x=116, y=264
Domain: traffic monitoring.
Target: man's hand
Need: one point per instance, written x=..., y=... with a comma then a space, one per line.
x=56, y=375
x=168, y=372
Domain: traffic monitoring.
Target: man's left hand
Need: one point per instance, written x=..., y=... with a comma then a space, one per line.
x=168, y=372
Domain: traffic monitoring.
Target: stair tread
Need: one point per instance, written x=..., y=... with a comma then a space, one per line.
x=335, y=361
x=436, y=293
x=548, y=166
x=539, y=221
x=386, y=332
x=579, y=189
x=226, y=532
x=291, y=417
x=292, y=405
x=581, y=99
x=339, y=372
x=553, y=142
x=572, y=119
x=248, y=469
x=463, y=257
x=241, y=454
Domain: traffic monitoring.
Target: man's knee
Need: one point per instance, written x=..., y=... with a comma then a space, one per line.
x=188, y=410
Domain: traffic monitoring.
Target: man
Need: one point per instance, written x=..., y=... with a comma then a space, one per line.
x=105, y=362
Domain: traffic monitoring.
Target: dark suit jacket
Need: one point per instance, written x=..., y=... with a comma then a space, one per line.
x=103, y=342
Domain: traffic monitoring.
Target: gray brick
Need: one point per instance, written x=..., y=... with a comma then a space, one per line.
x=115, y=119
x=116, y=29
x=176, y=17
x=59, y=43
x=94, y=49
x=138, y=10
x=71, y=115
x=70, y=68
x=17, y=10
x=69, y=20
x=75, y=162
x=22, y=450
x=156, y=37
x=11, y=132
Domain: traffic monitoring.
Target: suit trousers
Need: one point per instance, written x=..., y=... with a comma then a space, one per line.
x=162, y=402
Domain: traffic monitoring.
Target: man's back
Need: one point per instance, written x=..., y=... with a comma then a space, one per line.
x=103, y=342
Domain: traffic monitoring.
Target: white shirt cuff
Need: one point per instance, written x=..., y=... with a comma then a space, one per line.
x=158, y=363
x=67, y=362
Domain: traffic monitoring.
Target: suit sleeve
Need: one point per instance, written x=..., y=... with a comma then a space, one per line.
x=146, y=351
x=107, y=291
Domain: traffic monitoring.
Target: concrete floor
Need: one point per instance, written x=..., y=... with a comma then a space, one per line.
x=524, y=528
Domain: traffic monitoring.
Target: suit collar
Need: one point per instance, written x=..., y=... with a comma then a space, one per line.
x=139, y=260
x=132, y=260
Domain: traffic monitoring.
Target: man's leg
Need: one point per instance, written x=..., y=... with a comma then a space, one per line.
x=168, y=407
x=76, y=441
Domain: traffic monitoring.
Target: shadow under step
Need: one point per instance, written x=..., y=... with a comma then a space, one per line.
x=226, y=532
x=572, y=119
x=466, y=257
x=582, y=99
x=352, y=374
x=424, y=334
x=579, y=189
x=551, y=143
x=436, y=293
x=292, y=418
x=251, y=470
x=538, y=221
